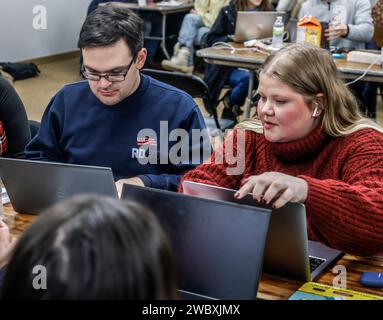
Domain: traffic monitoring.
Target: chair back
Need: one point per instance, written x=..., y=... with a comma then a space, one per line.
x=191, y=84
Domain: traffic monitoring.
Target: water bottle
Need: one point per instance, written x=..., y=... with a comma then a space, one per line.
x=278, y=31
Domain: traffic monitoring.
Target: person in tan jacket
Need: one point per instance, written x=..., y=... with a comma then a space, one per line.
x=194, y=25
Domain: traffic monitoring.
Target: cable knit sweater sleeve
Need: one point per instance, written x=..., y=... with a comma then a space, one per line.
x=227, y=164
x=348, y=214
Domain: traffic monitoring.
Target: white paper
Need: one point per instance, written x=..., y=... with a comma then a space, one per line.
x=4, y=196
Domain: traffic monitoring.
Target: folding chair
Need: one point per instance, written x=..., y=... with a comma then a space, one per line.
x=197, y=88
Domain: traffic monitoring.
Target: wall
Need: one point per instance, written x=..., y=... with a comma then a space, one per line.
x=19, y=39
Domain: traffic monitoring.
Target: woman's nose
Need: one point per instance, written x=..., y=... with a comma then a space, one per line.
x=267, y=108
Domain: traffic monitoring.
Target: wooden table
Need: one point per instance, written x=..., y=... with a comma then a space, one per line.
x=270, y=287
x=163, y=10
x=21, y=222
x=252, y=60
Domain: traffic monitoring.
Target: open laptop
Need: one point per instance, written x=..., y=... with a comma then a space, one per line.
x=218, y=246
x=288, y=252
x=32, y=186
x=255, y=25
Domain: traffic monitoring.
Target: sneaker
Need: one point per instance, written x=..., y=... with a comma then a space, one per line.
x=176, y=49
x=234, y=109
x=179, y=62
x=228, y=114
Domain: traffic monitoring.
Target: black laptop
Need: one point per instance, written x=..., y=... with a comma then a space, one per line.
x=288, y=251
x=218, y=246
x=33, y=186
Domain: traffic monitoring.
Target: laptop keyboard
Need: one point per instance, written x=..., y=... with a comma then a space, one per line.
x=315, y=262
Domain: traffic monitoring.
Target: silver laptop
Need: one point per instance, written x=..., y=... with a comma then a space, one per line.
x=32, y=186
x=255, y=25
x=288, y=252
x=218, y=254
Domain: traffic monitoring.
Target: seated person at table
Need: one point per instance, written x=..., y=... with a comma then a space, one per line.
x=92, y=248
x=14, y=127
x=121, y=118
x=194, y=25
x=310, y=145
x=216, y=76
x=350, y=26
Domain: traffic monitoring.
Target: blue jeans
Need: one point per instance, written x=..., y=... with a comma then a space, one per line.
x=152, y=27
x=365, y=91
x=239, y=82
x=191, y=32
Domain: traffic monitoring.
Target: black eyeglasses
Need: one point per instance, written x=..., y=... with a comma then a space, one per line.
x=111, y=77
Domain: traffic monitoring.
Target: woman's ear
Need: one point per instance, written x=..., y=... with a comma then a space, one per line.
x=318, y=105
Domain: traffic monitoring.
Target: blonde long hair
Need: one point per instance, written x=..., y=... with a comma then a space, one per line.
x=310, y=70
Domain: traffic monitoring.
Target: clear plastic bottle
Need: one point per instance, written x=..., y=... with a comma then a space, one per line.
x=278, y=31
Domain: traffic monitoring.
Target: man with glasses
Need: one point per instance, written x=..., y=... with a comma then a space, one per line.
x=120, y=118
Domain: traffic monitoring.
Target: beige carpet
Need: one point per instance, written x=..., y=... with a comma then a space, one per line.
x=37, y=92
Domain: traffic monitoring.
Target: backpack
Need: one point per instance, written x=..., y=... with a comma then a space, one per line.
x=20, y=71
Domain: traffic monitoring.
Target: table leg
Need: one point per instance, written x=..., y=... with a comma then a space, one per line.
x=163, y=40
x=249, y=94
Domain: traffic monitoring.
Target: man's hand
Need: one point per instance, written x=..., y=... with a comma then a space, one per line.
x=334, y=32
x=135, y=181
x=6, y=243
x=274, y=188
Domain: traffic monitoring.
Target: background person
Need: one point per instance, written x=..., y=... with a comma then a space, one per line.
x=217, y=76
x=194, y=26
x=350, y=27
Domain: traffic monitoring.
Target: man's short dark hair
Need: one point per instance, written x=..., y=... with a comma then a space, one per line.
x=108, y=24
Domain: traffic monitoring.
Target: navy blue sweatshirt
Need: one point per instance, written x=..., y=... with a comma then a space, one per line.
x=78, y=128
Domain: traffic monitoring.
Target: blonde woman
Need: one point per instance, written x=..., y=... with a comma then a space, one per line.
x=314, y=147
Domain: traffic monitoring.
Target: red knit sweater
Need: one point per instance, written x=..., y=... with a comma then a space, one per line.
x=3, y=140
x=344, y=175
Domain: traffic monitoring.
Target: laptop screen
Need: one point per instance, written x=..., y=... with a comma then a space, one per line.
x=218, y=246
x=255, y=24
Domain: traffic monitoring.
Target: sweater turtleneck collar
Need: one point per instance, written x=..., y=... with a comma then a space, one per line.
x=301, y=149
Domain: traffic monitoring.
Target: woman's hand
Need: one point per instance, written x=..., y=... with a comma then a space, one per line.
x=6, y=243
x=274, y=188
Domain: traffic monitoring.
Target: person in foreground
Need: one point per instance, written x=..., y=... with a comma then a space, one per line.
x=120, y=118
x=91, y=247
x=310, y=145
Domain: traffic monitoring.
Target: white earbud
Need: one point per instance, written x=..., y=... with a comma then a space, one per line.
x=315, y=112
